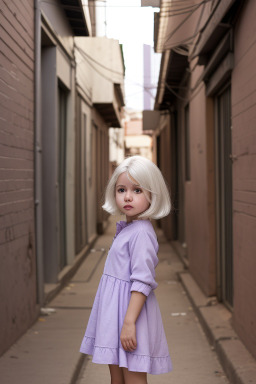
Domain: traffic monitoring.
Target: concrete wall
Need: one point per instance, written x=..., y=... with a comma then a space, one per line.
x=244, y=176
x=101, y=166
x=164, y=162
x=61, y=68
x=164, y=156
x=84, y=71
x=57, y=19
x=17, y=244
x=90, y=141
x=56, y=68
x=105, y=74
x=199, y=195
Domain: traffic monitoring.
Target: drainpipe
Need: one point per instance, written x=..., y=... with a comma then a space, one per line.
x=38, y=160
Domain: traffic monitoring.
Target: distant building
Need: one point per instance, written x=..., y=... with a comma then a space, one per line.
x=151, y=64
x=137, y=142
x=148, y=102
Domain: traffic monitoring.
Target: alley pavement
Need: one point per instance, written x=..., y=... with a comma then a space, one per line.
x=49, y=352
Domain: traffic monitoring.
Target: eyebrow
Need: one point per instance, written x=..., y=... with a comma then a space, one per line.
x=134, y=185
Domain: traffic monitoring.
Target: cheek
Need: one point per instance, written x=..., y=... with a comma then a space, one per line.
x=147, y=198
x=117, y=197
x=145, y=203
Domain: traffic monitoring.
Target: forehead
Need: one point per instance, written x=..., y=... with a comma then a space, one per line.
x=124, y=180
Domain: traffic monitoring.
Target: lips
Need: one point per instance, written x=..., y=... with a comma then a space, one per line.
x=128, y=207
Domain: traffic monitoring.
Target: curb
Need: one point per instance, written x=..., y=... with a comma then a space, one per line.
x=78, y=369
x=237, y=362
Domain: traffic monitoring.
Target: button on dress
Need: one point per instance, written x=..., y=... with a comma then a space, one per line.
x=130, y=266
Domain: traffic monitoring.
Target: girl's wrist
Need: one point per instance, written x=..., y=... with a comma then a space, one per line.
x=129, y=321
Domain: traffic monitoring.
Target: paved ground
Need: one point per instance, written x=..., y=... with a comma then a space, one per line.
x=49, y=351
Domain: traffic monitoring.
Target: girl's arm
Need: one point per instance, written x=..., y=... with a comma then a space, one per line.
x=128, y=333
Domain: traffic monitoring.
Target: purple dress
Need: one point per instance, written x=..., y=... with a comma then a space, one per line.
x=130, y=266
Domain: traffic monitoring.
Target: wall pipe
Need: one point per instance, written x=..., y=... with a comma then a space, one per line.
x=38, y=159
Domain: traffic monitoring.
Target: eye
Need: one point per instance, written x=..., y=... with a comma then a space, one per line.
x=120, y=190
x=138, y=190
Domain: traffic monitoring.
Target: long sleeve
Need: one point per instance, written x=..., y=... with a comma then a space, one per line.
x=143, y=252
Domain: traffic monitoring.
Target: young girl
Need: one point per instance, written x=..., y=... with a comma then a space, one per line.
x=125, y=328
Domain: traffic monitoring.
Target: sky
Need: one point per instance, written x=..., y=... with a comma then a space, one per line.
x=133, y=26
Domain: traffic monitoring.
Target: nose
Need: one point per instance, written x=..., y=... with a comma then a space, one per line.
x=128, y=196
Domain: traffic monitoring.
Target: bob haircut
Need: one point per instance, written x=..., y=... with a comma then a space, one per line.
x=149, y=178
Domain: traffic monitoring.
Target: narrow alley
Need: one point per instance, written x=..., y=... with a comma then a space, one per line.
x=84, y=86
x=49, y=351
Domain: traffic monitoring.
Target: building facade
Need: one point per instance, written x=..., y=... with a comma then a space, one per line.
x=137, y=140
x=99, y=101
x=54, y=151
x=206, y=92
x=18, y=249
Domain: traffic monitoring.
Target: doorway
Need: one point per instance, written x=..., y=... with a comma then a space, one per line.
x=223, y=138
x=62, y=133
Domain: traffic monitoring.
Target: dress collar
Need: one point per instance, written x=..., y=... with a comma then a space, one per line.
x=121, y=225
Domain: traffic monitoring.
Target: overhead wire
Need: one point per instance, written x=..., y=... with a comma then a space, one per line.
x=84, y=53
x=189, y=39
x=96, y=69
x=106, y=3
x=185, y=99
x=165, y=10
x=165, y=13
x=168, y=12
x=145, y=89
x=174, y=93
x=174, y=12
x=180, y=24
x=178, y=11
x=86, y=57
x=137, y=6
x=152, y=86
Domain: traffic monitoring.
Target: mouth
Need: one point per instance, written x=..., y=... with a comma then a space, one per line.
x=128, y=207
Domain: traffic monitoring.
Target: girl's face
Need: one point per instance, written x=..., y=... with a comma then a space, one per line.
x=130, y=198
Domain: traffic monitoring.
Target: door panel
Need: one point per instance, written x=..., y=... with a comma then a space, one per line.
x=224, y=197
x=62, y=133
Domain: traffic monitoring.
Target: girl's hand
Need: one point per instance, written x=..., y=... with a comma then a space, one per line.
x=128, y=336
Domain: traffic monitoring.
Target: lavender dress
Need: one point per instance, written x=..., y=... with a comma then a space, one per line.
x=130, y=266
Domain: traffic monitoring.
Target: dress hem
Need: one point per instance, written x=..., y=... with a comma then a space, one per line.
x=132, y=361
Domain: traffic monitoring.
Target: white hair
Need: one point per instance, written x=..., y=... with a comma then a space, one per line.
x=150, y=179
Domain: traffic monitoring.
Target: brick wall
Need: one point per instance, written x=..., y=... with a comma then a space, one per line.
x=17, y=250
x=244, y=175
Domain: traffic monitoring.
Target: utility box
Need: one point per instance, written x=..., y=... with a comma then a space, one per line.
x=150, y=120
